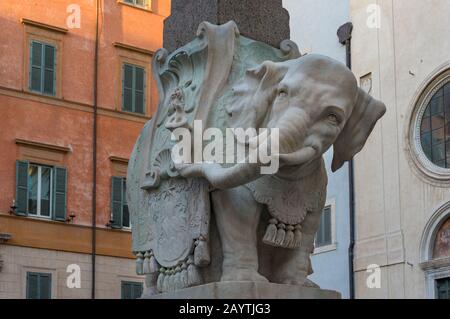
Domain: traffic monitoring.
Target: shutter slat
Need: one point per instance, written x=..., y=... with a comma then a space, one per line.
x=35, y=66
x=116, y=201
x=32, y=285
x=59, y=193
x=22, y=187
x=327, y=226
x=45, y=286
x=49, y=73
x=137, y=290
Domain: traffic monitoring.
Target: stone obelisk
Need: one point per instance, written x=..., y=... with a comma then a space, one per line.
x=266, y=21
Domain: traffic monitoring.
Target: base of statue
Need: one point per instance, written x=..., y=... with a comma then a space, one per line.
x=248, y=290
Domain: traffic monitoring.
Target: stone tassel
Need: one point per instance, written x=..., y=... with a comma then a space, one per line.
x=184, y=275
x=139, y=263
x=193, y=274
x=153, y=264
x=146, y=266
x=297, y=236
x=271, y=232
x=159, y=283
x=170, y=283
x=201, y=253
x=177, y=280
x=165, y=285
x=289, y=239
x=281, y=234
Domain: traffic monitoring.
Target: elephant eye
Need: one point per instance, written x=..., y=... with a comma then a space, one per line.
x=282, y=93
x=333, y=118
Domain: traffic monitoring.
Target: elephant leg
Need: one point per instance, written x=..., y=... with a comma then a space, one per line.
x=293, y=266
x=237, y=216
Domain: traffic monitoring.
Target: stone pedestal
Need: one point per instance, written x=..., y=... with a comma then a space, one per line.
x=248, y=290
x=266, y=21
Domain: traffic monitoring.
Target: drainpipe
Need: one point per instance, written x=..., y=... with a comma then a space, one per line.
x=94, y=154
x=344, y=34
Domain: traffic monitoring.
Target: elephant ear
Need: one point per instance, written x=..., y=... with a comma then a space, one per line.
x=365, y=114
x=253, y=96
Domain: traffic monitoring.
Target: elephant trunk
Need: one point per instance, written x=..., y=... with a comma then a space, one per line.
x=222, y=177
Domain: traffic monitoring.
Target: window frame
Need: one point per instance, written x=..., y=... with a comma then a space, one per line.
x=431, y=172
x=142, y=58
x=447, y=280
x=39, y=274
x=132, y=3
x=42, y=67
x=331, y=203
x=133, y=283
x=51, y=35
x=133, y=88
x=123, y=203
x=38, y=204
x=58, y=191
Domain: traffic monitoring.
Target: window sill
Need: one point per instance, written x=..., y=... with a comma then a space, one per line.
x=147, y=9
x=132, y=113
x=325, y=249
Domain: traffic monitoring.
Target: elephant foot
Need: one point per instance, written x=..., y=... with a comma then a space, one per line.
x=297, y=279
x=242, y=275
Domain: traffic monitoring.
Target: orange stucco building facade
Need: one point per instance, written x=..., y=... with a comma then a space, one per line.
x=65, y=67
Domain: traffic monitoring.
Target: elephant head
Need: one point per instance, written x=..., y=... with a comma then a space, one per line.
x=315, y=103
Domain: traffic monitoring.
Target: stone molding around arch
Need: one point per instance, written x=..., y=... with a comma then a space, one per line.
x=434, y=268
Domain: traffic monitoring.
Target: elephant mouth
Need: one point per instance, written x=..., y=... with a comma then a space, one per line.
x=301, y=157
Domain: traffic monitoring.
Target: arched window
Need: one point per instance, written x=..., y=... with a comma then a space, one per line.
x=429, y=133
x=435, y=253
x=435, y=128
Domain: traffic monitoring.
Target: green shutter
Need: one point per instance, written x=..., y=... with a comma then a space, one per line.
x=39, y=285
x=59, y=193
x=49, y=69
x=137, y=290
x=139, y=90
x=126, y=290
x=22, y=188
x=131, y=290
x=327, y=226
x=36, y=57
x=45, y=286
x=127, y=87
x=32, y=285
x=116, y=202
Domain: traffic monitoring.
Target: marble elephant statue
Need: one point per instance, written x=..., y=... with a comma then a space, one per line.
x=200, y=223
x=315, y=103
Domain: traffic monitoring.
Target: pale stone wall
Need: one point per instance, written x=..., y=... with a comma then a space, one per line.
x=393, y=200
x=18, y=260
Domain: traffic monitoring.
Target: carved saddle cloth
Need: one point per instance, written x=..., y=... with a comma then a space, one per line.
x=288, y=202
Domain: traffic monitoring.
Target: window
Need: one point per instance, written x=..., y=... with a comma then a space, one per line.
x=139, y=3
x=131, y=290
x=435, y=128
x=324, y=234
x=133, y=88
x=42, y=68
x=41, y=190
x=39, y=285
x=443, y=288
x=119, y=206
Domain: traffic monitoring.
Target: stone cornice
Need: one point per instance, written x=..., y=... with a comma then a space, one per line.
x=44, y=26
x=117, y=159
x=133, y=48
x=51, y=147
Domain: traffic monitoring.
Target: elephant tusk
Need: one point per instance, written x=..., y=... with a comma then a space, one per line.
x=298, y=157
